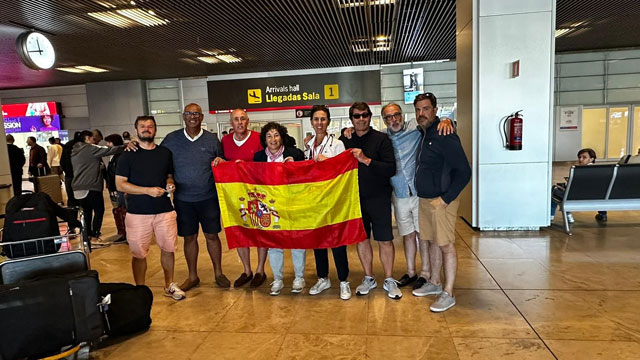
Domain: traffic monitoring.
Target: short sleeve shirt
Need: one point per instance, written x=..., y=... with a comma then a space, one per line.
x=148, y=168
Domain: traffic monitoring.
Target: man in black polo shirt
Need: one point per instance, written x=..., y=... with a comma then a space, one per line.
x=442, y=171
x=377, y=165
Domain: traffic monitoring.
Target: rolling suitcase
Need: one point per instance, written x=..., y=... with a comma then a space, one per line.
x=42, y=316
x=50, y=185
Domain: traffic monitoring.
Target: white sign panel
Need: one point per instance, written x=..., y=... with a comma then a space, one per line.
x=569, y=118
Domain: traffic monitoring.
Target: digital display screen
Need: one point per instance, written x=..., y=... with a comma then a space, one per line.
x=31, y=117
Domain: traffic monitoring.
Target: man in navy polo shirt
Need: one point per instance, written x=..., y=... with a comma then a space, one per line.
x=196, y=199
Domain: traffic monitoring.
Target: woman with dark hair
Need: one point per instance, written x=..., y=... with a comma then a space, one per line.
x=586, y=156
x=119, y=208
x=272, y=139
x=319, y=148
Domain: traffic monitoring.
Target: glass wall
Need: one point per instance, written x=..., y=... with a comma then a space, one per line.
x=611, y=131
x=617, y=135
x=635, y=144
x=594, y=129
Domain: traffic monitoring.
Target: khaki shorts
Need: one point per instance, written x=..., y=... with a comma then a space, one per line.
x=439, y=223
x=142, y=228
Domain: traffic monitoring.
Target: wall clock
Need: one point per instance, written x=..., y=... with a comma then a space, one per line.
x=35, y=50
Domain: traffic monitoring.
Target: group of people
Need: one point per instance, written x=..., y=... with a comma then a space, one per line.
x=418, y=166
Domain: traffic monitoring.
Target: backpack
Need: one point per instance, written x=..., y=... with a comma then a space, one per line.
x=128, y=309
x=34, y=216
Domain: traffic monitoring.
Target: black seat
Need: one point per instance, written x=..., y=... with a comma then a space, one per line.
x=590, y=182
x=627, y=183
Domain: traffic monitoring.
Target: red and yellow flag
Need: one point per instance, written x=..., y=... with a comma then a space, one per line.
x=294, y=205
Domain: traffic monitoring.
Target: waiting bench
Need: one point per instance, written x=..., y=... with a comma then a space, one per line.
x=601, y=187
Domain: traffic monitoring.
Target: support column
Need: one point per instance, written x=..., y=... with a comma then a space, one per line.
x=510, y=190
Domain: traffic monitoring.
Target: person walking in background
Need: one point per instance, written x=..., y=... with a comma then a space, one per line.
x=67, y=168
x=54, y=152
x=88, y=182
x=37, y=159
x=16, y=162
x=118, y=204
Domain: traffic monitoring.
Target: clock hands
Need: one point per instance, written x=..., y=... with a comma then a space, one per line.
x=39, y=51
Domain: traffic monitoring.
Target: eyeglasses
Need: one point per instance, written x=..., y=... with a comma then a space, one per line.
x=189, y=113
x=358, y=116
x=389, y=117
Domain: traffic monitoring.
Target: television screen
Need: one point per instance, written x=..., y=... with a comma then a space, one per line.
x=31, y=117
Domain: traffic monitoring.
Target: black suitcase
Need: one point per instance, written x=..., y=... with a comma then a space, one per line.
x=41, y=316
x=129, y=309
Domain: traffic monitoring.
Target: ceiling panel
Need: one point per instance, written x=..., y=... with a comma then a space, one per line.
x=267, y=35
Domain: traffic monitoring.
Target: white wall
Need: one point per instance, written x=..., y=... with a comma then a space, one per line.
x=114, y=105
x=512, y=187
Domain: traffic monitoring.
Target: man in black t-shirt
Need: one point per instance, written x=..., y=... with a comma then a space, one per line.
x=376, y=166
x=146, y=177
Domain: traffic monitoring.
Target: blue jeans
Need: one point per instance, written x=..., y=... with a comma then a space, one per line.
x=276, y=260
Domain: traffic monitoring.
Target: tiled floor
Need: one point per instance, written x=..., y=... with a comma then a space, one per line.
x=520, y=295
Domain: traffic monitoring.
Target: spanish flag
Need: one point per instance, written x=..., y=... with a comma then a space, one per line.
x=294, y=205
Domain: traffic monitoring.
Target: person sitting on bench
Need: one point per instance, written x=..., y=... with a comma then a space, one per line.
x=586, y=156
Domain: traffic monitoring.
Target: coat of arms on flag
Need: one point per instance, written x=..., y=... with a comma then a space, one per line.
x=294, y=205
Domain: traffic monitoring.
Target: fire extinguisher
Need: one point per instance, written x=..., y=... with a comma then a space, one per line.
x=512, y=129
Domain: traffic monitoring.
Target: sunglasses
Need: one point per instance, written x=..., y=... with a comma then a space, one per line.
x=358, y=116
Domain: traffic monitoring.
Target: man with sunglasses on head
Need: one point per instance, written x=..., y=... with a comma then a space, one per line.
x=442, y=172
x=377, y=165
x=405, y=138
x=195, y=198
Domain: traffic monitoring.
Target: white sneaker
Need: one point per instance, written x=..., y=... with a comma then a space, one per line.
x=174, y=292
x=391, y=287
x=570, y=218
x=553, y=217
x=368, y=284
x=276, y=286
x=345, y=290
x=322, y=285
x=298, y=285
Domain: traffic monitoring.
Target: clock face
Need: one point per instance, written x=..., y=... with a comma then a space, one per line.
x=36, y=51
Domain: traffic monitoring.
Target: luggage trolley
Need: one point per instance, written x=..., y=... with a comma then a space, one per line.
x=72, y=255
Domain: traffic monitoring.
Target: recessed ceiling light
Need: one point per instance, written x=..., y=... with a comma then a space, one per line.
x=105, y=4
x=209, y=59
x=71, y=70
x=229, y=58
x=190, y=61
x=355, y=3
x=562, y=32
x=91, y=68
x=142, y=17
x=113, y=19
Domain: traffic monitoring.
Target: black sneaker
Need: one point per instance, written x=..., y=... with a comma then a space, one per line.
x=406, y=280
x=121, y=240
x=421, y=281
x=601, y=217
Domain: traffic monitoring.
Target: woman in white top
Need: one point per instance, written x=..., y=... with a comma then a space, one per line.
x=321, y=147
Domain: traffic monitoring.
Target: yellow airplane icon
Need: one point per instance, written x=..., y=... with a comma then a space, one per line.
x=254, y=96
